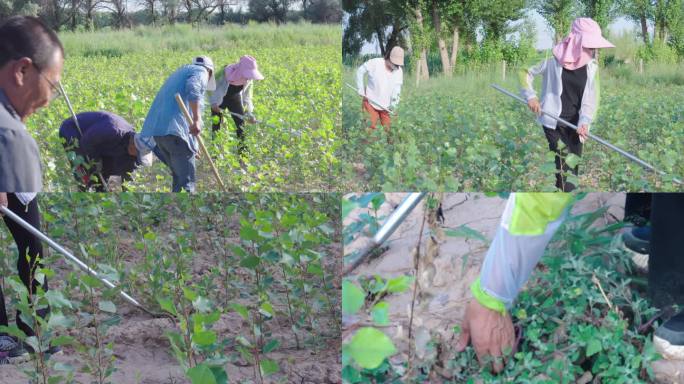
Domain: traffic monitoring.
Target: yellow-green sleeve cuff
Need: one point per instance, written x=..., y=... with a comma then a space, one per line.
x=486, y=299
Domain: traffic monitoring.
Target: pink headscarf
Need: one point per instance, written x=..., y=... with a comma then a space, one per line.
x=243, y=71
x=576, y=50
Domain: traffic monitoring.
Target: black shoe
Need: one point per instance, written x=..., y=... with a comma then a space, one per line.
x=669, y=338
x=637, y=242
x=11, y=351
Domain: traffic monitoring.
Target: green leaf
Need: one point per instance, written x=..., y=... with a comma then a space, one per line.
x=107, y=306
x=249, y=233
x=167, y=305
x=465, y=232
x=593, y=347
x=201, y=374
x=347, y=207
x=572, y=160
x=352, y=298
x=369, y=348
x=204, y=338
x=271, y=345
x=241, y=310
x=380, y=313
x=267, y=309
x=250, y=262
x=399, y=284
x=268, y=367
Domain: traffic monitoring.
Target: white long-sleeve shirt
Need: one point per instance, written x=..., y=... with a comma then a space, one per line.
x=222, y=85
x=384, y=87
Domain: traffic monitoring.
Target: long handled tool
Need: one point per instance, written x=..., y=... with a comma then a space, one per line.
x=387, y=229
x=181, y=105
x=67, y=254
x=80, y=132
x=600, y=140
x=373, y=101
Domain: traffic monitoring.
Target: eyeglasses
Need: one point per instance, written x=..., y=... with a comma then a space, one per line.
x=54, y=89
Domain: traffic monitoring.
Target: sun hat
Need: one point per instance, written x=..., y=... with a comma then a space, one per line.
x=206, y=62
x=144, y=147
x=574, y=51
x=397, y=56
x=243, y=70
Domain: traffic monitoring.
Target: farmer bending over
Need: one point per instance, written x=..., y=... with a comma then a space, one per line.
x=234, y=92
x=108, y=141
x=167, y=126
x=31, y=62
x=381, y=95
x=527, y=225
x=570, y=90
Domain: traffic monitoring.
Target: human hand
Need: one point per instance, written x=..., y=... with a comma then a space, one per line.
x=490, y=332
x=583, y=132
x=3, y=200
x=195, y=128
x=534, y=106
x=215, y=109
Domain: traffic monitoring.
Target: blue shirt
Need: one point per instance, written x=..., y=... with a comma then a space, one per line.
x=165, y=117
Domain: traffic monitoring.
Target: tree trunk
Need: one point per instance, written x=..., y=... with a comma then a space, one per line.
x=393, y=38
x=443, y=53
x=381, y=43
x=74, y=12
x=644, y=28
x=454, y=50
x=422, y=71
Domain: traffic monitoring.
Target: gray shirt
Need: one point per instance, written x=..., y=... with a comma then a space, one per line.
x=20, y=169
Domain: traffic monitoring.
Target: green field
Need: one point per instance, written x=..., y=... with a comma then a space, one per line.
x=461, y=134
x=121, y=72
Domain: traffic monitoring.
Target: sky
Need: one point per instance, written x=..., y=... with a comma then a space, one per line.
x=544, y=32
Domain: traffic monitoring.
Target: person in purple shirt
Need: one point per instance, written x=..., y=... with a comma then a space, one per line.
x=108, y=146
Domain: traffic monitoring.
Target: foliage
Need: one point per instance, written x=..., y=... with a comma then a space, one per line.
x=298, y=102
x=567, y=329
x=460, y=134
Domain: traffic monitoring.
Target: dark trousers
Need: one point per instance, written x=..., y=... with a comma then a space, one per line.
x=666, y=260
x=27, y=245
x=570, y=138
x=233, y=102
x=638, y=208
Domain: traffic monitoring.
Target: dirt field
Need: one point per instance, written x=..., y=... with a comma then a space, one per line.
x=142, y=350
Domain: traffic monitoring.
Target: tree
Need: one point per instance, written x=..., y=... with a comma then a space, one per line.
x=641, y=12
x=602, y=11
x=119, y=12
x=170, y=8
x=558, y=14
x=89, y=7
x=322, y=11
x=150, y=6
x=382, y=20
x=496, y=14
x=269, y=10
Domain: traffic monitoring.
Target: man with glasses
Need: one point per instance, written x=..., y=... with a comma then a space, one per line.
x=31, y=62
x=381, y=94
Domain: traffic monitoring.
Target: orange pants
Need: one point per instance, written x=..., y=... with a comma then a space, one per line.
x=376, y=114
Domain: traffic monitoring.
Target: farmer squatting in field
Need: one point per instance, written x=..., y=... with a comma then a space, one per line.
x=109, y=142
x=31, y=62
x=166, y=127
x=528, y=223
x=234, y=88
x=570, y=90
x=382, y=94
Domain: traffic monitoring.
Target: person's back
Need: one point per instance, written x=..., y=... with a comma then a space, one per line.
x=164, y=117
